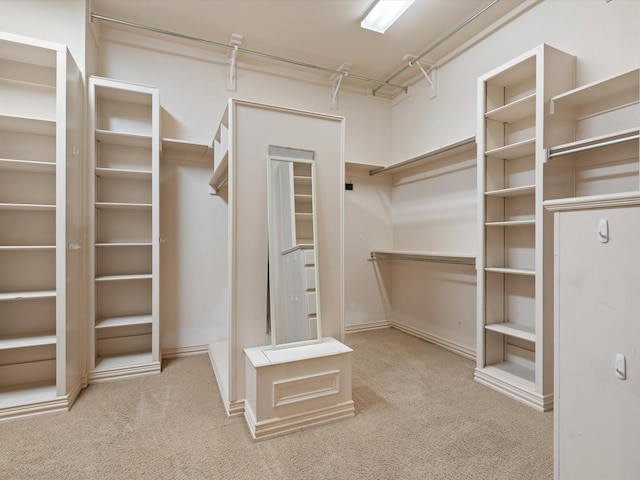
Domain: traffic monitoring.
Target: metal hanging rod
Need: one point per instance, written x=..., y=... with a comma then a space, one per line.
x=247, y=51
x=437, y=44
x=376, y=256
x=425, y=156
x=561, y=153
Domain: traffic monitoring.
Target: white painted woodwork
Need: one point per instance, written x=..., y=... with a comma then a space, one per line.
x=293, y=388
x=41, y=170
x=413, y=217
x=124, y=338
x=596, y=414
x=514, y=275
x=242, y=183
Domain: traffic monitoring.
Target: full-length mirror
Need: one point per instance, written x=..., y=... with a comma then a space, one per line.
x=293, y=266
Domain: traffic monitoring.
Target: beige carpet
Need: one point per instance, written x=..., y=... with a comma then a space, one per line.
x=419, y=415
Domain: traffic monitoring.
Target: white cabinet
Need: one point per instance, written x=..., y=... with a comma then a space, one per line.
x=597, y=280
x=40, y=226
x=515, y=341
x=125, y=263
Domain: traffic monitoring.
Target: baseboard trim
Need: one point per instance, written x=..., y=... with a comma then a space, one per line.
x=129, y=371
x=542, y=403
x=281, y=426
x=180, y=352
x=454, y=347
x=363, y=327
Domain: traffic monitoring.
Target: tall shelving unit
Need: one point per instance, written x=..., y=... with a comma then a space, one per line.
x=125, y=266
x=40, y=212
x=515, y=261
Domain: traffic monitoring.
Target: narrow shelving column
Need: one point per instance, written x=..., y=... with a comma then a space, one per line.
x=125, y=158
x=37, y=122
x=515, y=274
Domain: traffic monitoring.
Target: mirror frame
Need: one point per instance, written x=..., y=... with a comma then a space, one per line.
x=273, y=311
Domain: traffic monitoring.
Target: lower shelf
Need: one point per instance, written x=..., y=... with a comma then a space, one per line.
x=117, y=361
x=27, y=393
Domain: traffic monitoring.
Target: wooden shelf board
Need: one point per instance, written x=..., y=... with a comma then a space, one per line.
x=117, y=278
x=601, y=89
x=123, y=206
x=27, y=393
x=514, y=111
x=511, y=271
x=174, y=145
x=123, y=173
x=512, y=192
x=27, y=295
x=303, y=198
x=27, y=340
x=36, y=126
x=27, y=206
x=511, y=223
x=512, y=373
x=124, y=244
x=123, y=321
x=513, y=330
x=27, y=247
x=27, y=166
x=123, y=138
x=114, y=361
x=220, y=173
x=514, y=150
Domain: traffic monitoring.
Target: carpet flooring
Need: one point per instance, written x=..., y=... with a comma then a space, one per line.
x=419, y=415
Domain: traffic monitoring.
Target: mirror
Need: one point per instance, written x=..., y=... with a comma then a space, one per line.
x=293, y=267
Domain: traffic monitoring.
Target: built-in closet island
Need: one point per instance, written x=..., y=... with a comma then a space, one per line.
x=281, y=389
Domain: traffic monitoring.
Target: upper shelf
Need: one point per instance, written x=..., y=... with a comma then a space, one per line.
x=514, y=111
x=615, y=91
x=466, y=145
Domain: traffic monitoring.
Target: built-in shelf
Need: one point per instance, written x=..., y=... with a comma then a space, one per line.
x=27, y=295
x=123, y=138
x=512, y=192
x=511, y=271
x=123, y=321
x=513, y=330
x=27, y=340
x=117, y=278
x=36, y=126
x=27, y=206
x=514, y=111
x=462, y=146
x=27, y=166
x=511, y=223
x=123, y=206
x=118, y=361
x=123, y=173
x=512, y=373
x=124, y=244
x=27, y=247
x=595, y=92
x=513, y=150
x=220, y=174
x=172, y=145
x=27, y=393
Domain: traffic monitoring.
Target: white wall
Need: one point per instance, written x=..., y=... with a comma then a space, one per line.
x=603, y=36
x=60, y=21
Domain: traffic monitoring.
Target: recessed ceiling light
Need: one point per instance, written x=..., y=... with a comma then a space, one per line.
x=384, y=13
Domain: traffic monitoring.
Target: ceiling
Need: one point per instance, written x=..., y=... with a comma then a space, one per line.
x=325, y=33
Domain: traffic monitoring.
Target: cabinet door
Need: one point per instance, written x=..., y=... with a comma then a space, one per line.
x=598, y=317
